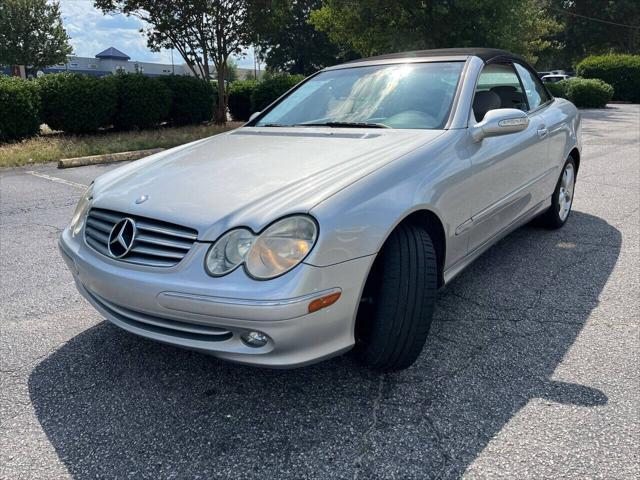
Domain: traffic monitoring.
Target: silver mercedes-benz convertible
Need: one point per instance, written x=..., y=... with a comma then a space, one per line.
x=329, y=221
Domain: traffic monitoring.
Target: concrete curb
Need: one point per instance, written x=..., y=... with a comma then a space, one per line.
x=106, y=158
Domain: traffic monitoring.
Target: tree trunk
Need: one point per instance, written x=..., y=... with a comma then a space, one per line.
x=221, y=111
x=18, y=71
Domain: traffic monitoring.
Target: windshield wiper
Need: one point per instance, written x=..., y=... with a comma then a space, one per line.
x=274, y=125
x=343, y=125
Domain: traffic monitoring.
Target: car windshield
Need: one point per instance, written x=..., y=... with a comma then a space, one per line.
x=413, y=95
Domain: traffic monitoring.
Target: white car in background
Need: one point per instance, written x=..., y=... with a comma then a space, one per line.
x=555, y=78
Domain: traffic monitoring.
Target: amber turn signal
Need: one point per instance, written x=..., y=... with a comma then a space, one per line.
x=322, y=302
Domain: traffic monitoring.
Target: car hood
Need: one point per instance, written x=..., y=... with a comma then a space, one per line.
x=251, y=176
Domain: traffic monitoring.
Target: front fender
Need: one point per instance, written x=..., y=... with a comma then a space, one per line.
x=356, y=221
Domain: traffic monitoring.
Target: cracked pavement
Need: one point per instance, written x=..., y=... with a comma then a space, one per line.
x=531, y=369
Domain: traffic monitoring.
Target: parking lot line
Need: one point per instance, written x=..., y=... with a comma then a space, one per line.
x=57, y=179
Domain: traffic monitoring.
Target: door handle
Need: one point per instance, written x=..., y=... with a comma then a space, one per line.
x=542, y=131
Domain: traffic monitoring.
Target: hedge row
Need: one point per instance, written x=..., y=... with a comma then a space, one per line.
x=19, y=109
x=248, y=96
x=583, y=92
x=622, y=72
x=77, y=103
x=142, y=102
x=192, y=100
x=239, y=102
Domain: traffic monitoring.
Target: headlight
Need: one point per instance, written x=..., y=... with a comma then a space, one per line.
x=275, y=251
x=281, y=247
x=229, y=251
x=77, y=221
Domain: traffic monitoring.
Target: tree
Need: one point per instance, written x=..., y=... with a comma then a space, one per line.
x=593, y=27
x=378, y=26
x=31, y=34
x=231, y=72
x=206, y=33
x=290, y=43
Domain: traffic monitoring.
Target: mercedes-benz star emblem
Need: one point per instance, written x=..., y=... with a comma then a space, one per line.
x=121, y=238
x=142, y=198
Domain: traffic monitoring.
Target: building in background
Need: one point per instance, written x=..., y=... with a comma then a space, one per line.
x=112, y=60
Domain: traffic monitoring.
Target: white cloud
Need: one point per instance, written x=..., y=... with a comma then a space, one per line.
x=91, y=32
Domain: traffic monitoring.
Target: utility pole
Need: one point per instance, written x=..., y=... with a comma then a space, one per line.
x=256, y=65
x=255, y=71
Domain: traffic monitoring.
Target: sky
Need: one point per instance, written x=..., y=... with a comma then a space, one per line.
x=92, y=32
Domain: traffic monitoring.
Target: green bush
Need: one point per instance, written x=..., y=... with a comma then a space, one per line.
x=77, y=103
x=589, y=92
x=558, y=89
x=192, y=99
x=271, y=88
x=239, y=102
x=583, y=92
x=143, y=102
x=19, y=108
x=622, y=72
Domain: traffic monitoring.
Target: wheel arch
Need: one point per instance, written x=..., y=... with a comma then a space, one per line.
x=575, y=154
x=428, y=220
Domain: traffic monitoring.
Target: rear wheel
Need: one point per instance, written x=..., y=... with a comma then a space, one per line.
x=556, y=216
x=398, y=301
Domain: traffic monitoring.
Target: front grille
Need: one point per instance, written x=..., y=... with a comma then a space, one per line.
x=165, y=326
x=156, y=244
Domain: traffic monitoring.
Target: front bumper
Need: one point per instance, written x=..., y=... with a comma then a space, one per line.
x=183, y=306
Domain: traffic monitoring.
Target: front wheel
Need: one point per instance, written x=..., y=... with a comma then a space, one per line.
x=556, y=216
x=398, y=301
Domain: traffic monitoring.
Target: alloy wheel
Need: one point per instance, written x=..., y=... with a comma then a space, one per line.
x=565, y=195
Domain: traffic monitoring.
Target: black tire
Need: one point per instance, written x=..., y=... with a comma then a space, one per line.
x=551, y=218
x=398, y=301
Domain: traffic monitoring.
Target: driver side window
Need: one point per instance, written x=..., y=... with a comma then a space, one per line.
x=536, y=93
x=498, y=87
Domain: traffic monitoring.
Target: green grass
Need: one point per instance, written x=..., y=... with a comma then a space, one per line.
x=51, y=146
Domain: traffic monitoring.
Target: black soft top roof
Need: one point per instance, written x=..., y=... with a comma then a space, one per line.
x=485, y=54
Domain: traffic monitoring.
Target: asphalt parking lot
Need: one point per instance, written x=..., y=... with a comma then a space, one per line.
x=531, y=371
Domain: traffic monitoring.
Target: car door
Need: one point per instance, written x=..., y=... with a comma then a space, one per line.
x=555, y=132
x=505, y=167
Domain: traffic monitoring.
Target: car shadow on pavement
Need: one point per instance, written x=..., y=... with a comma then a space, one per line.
x=115, y=405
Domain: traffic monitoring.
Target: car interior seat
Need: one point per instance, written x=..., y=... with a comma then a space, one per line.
x=484, y=101
x=510, y=97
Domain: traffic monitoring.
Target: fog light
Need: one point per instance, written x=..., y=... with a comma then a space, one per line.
x=254, y=339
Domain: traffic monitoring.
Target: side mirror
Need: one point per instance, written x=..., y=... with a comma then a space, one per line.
x=254, y=115
x=501, y=121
